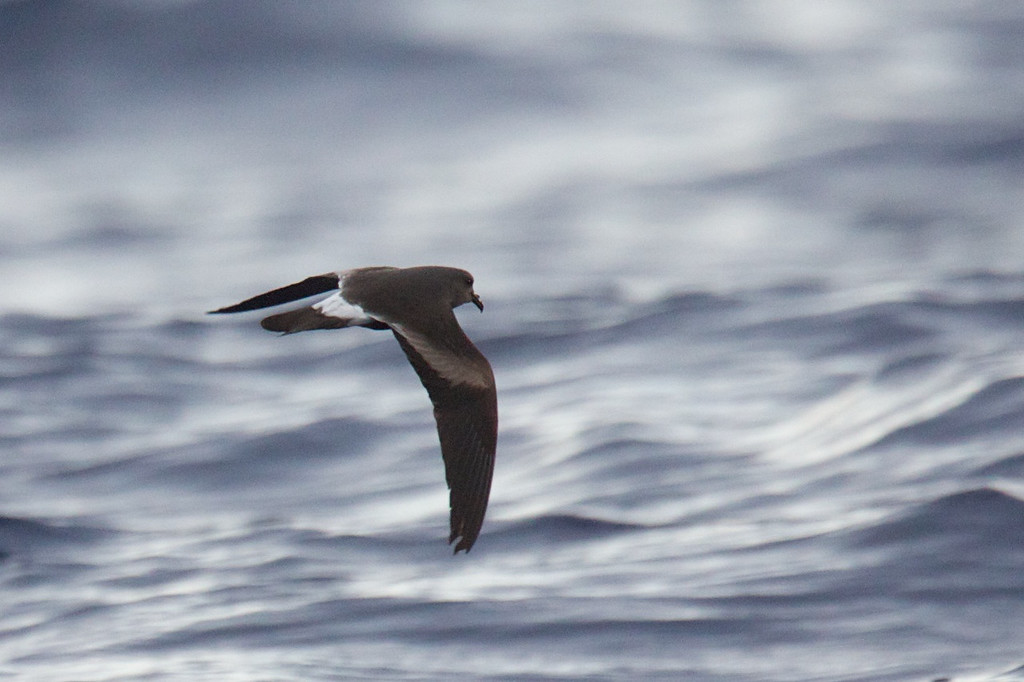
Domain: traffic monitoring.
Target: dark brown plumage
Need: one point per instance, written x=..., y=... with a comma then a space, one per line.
x=416, y=304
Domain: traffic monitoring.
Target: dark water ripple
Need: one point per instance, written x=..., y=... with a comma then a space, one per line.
x=22, y=536
x=997, y=407
x=977, y=524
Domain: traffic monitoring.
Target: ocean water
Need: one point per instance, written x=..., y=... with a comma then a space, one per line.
x=754, y=300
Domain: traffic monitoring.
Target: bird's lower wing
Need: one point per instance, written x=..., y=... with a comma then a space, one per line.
x=467, y=425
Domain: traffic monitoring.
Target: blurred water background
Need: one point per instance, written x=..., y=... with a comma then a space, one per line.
x=755, y=301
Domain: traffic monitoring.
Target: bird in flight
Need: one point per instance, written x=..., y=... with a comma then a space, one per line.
x=417, y=305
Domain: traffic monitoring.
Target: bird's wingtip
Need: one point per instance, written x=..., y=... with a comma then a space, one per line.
x=463, y=545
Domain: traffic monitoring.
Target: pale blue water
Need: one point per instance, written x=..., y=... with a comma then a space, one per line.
x=754, y=299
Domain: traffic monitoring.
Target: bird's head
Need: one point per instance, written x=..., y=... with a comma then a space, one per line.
x=462, y=283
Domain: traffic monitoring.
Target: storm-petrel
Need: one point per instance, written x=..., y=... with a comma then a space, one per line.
x=416, y=304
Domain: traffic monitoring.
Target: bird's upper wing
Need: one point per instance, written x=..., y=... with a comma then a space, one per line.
x=461, y=386
x=334, y=312
x=311, y=286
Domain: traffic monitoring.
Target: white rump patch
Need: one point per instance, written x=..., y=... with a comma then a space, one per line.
x=336, y=306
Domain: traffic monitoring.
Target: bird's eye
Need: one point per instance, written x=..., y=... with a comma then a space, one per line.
x=469, y=281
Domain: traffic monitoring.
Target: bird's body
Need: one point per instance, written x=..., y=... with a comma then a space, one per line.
x=417, y=305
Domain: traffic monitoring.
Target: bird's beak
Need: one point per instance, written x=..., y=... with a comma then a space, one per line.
x=477, y=302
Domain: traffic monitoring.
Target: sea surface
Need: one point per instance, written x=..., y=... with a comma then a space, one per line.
x=754, y=287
